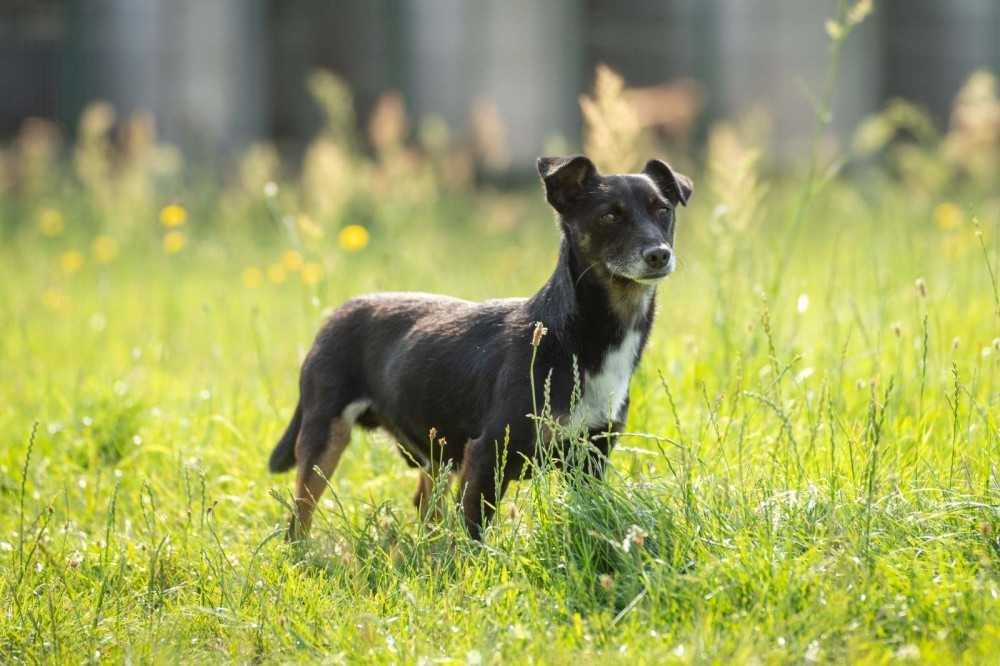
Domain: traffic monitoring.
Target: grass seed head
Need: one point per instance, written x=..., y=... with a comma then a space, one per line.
x=538, y=334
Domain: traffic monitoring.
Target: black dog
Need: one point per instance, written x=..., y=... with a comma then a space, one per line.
x=426, y=367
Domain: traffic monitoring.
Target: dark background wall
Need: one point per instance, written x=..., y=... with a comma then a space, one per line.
x=220, y=74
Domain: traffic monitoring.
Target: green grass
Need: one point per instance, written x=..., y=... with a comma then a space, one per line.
x=813, y=477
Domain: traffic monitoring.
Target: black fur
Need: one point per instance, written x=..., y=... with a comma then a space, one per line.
x=428, y=362
x=283, y=455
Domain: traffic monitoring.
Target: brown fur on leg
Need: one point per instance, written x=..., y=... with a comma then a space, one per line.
x=310, y=483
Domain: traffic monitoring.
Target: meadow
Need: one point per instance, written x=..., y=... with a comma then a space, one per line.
x=811, y=470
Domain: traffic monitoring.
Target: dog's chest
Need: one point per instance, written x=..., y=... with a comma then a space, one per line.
x=605, y=391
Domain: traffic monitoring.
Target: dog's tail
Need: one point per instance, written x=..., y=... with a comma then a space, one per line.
x=283, y=456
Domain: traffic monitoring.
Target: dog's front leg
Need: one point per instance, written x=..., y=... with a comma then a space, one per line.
x=487, y=470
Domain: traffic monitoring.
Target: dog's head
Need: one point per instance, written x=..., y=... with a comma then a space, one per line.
x=622, y=225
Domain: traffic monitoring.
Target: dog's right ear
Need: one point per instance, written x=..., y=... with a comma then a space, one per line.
x=566, y=178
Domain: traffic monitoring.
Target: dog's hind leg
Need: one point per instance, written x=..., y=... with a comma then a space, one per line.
x=320, y=444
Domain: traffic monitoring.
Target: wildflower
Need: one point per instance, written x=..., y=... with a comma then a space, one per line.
x=636, y=535
x=270, y=189
x=54, y=299
x=292, y=261
x=538, y=334
x=74, y=559
x=174, y=242
x=907, y=652
x=71, y=261
x=986, y=352
x=607, y=582
x=276, y=273
x=174, y=215
x=50, y=222
x=353, y=238
x=105, y=249
x=803, y=303
x=251, y=277
x=948, y=216
x=311, y=273
x=921, y=287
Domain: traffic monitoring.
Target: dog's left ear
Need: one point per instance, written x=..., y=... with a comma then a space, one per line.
x=566, y=178
x=675, y=186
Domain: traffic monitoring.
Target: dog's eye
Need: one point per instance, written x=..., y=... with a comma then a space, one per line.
x=609, y=217
x=663, y=213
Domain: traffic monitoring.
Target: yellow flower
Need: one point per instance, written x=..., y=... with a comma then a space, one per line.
x=55, y=299
x=292, y=261
x=174, y=242
x=50, y=222
x=312, y=273
x=71, y=261
x=252, y=277
x=105, y=249
x=276, y=273
x=948, y=216
x=353, y=238
x=174, y=215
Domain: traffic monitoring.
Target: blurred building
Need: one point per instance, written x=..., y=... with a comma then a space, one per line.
x=220, y=74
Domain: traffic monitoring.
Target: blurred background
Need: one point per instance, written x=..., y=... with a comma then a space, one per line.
x=220, y=76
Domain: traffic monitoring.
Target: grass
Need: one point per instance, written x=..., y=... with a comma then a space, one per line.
x=811, y=474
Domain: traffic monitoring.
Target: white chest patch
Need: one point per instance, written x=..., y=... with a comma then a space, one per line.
x=605, y=391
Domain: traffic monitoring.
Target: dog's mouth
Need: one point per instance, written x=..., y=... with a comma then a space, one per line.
x=652, y=278
x=647, y=278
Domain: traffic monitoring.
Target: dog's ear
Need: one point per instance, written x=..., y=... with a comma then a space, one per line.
x=675, y=186
x=566, y=178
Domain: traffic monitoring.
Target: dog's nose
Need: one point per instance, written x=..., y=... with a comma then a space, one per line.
x=657, y=257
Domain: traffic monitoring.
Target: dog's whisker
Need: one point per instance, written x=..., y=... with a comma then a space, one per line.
x=584, y=272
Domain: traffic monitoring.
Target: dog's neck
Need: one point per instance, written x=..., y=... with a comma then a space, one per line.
x=588, y=310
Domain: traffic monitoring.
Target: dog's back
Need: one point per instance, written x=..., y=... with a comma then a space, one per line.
x=407, y=362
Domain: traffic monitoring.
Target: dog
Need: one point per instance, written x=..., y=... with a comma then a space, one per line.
x=451, y=380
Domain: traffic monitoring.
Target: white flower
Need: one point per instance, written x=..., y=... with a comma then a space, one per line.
x=636, y=535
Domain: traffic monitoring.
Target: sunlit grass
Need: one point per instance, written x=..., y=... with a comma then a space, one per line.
x=819, y=481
